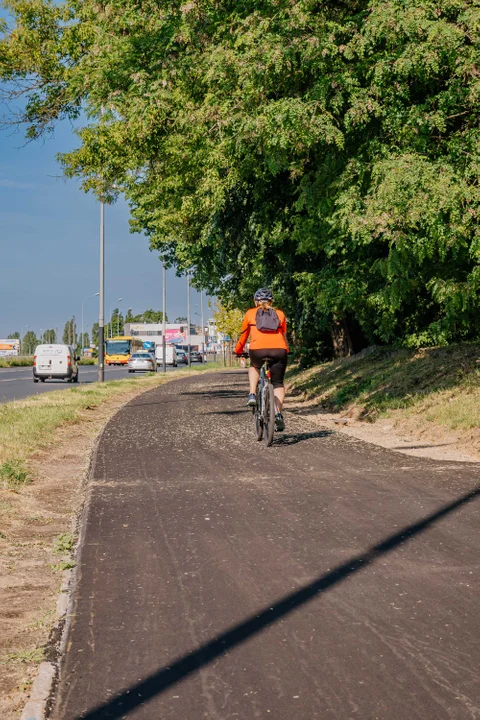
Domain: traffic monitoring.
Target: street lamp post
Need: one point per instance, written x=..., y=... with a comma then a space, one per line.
x=204, y=357
x=188, y=320
x=164, y=320
x=83, y=338
x=110, y=324
x=118, y=316
x=101, y=319
x=202, y=320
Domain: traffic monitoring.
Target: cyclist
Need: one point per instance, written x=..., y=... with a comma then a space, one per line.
x=267, y=328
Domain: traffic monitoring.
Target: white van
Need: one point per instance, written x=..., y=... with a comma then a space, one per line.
x=56, y=362
x=171, y=357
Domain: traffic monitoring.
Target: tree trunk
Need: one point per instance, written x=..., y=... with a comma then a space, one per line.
x=341, y=340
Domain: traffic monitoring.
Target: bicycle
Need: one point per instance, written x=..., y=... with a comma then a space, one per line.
x=264, y=410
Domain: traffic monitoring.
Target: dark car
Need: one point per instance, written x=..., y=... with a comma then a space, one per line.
x=181, y=356
x=196, y=356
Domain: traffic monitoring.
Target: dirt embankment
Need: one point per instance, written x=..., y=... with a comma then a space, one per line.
x=424, y=402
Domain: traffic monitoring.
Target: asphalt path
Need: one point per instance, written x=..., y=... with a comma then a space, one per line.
x=320, y=578
x=17, y=383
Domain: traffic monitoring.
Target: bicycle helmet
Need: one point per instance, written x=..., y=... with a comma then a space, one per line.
x=263, y=295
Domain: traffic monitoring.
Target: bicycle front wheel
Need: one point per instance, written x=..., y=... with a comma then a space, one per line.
x=268, y=414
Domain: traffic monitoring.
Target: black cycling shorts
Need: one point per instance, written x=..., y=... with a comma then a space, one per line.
x=277, y=362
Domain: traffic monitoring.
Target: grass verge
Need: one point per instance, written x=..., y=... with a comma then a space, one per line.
x=16, y=361
x=27, y=426
x=439, y=385
x=27, y=361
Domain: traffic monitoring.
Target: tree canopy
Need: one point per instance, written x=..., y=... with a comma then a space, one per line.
x=147, y=316
x=328, y=149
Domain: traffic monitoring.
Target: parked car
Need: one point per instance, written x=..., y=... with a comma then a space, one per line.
x=142, y=362
x=181, y=356
x=196, y=356
x=57, y=362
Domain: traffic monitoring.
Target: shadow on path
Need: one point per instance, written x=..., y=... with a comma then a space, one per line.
x=298, y=437
x=177, y=670
x=216, y=394
x=229, y=412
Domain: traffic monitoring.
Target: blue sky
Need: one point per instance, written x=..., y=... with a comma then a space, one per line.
x=49, y=245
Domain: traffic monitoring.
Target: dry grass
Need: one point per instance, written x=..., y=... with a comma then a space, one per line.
x=442, y=385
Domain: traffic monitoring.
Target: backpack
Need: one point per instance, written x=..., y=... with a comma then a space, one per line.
x=267, y=321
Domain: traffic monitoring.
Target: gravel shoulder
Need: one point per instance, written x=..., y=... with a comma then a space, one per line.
x=411, y=436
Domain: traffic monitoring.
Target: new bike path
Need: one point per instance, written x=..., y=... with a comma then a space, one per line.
x=320, y=578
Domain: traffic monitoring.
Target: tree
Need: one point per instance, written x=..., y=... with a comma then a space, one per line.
x=29, y=343
x=70, y=332
x=14, y=336
x=147, y=316
x=67, y=333
x=48, y=337
x=328, y=150
x=116, y=323
x=95, y=334
x=86, y=340
x=229, y=323
x=181, y=320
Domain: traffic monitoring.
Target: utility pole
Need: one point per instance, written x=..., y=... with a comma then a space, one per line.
x=203, y=326
x=164, y=311
x=101, y=319
x=188, y=321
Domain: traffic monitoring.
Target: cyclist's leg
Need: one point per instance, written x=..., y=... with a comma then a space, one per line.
x=253, y=378
x=278, y=365
x=256, y=361
x=279, y=393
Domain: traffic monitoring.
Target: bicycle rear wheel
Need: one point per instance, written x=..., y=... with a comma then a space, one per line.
x=258, y=419
x=268, y=414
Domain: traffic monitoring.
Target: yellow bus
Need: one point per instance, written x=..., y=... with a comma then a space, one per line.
x=118, y=349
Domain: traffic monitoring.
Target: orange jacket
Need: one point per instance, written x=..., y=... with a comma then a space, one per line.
x=262, y=340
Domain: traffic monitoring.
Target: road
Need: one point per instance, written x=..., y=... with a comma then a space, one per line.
x=17, y=383
x=320, y=578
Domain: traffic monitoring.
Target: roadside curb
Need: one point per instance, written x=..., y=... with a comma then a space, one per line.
x=47, y=675
x=41, y=689
x=40, y=703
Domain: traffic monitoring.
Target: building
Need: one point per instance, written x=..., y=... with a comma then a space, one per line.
x=176, y=334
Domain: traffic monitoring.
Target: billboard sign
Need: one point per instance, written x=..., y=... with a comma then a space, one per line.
x=175, y=336
x=9, y=347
